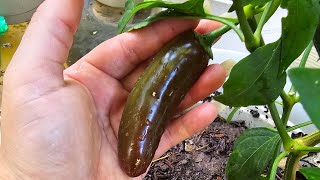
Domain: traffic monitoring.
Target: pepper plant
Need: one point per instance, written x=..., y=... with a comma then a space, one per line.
x=259, y=78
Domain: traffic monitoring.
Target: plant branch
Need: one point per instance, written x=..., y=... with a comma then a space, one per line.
x=250, y=41
x=251, y=10
x=299, y=126
x=278, y=102
x=288, y=104
x=306, y=55
x=214, y=35
x=275, y=165
x=270, y=8
x=292, y=166
x=306, y=148
x=253, y=24
x=287, y=108
x=232, y=114
x=274, y=156
x=286, y=139
x=303, y=63
x=285, y=98
x=228, y=22
x=310, y=140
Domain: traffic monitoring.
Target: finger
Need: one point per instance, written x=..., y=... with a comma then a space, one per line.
x=206, y=26
x=185, y=126
x=213, y=78
x=119, y=55
x=129, y=81
x=45, y=45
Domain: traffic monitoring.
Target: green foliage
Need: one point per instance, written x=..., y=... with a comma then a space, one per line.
x=316, y=39
x=298, y=28
x=254, y=2
x=311, y=173
x=172, y=13
x=162, y=15
x=252, y=152
x=251, y=2
x=192, y=7
x=307, y=83
x=255, y=80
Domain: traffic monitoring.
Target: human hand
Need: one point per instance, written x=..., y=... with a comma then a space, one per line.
x=63, y=124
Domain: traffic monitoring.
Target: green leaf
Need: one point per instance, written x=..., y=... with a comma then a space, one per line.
x=316, y=39
x=312, y=173
x=161, y=15
x=191, y=7
x=171, y=13
x=298, y=28
x=252, y=2
x=255, y=79
x=252, y=153
x=307, y=83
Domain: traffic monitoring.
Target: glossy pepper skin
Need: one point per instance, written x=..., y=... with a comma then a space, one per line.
x=155, y=98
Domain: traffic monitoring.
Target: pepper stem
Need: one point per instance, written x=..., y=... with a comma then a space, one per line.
x=209, y=38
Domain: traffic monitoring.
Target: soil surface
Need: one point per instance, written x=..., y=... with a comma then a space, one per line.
x=203, y=156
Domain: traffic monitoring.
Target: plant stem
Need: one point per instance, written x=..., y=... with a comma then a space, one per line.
x=271, y=7
x=292, y=166
x=275, y=164
x=306, y=148
x=251, y=10
x=288, y=104
x=303, y=63
x=250, y=41
x=299, y=126
x=232, y=114
x=285, y=98
x=306, y=143
x=286, y=139
x=214, y=35
x=253, y=24
x=306, y=55
x=274, y=156
x=278, y=102
x=311, y=139
x=226, y=21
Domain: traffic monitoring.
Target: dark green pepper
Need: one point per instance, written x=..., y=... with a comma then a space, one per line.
x=155, y=98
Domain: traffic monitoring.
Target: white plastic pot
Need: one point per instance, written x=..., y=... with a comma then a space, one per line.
x=17, y=11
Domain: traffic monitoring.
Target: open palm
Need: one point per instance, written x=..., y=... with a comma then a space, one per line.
x=63, y=124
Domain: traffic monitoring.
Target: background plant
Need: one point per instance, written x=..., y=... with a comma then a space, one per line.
x=259, y=78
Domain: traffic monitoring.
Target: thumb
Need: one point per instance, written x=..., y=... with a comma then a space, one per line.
x=38, y=62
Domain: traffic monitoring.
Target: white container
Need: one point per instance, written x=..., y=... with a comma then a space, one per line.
x=17, y=11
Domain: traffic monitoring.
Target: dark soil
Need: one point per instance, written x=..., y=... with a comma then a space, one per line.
x=203, y=156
